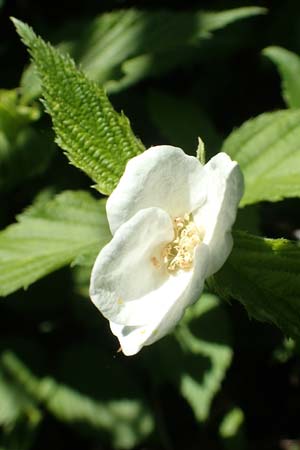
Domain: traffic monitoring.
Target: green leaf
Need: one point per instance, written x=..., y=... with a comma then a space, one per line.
x=14, y=115
x=288, y=65
x=19, y=414
x=30, y=86
x=204, y=332
x=121, y=47
x=69, y=405
x=268, y=151
x=50, y=235
x=154, y=46
x=24, y=150
x=181, y=121
x=198, y=356
x=264, y=275
x=15, y=404
x=95, y=137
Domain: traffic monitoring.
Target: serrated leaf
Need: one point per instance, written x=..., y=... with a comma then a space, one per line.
x=288, y=65
x=199, y=354
x=268, y=151
x=181, y=121
x=133, y=420
x=50, y=235
x=264, y=275
x=95, y=137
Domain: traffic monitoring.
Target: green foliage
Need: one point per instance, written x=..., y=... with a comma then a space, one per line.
x=24, y=150
x=268, y=151
x=96, y=138
x=19, y=414
x=285, y=351
x=50, y=235
x=288, y=65
x=181, y=121
x=30, y=86
x=204, y=333
x=264, y=274
x=231, y=430
x=119, y=48
x=126, y=420
x=199, y=355
x=142, y=44
x=15, y=404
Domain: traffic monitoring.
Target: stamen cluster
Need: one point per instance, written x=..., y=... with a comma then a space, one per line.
x=179, y=254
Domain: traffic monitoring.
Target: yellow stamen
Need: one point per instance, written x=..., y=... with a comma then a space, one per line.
x=179, y=254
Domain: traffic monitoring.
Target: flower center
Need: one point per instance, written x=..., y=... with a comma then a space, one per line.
x=179, y=254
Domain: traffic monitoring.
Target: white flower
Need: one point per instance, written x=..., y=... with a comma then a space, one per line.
x=171, y=220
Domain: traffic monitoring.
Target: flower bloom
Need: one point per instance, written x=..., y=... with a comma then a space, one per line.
x=171, y=220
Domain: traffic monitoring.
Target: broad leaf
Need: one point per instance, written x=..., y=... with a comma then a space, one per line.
x=264, y=275
x=95, y=137
x=268, y=151
x=288, y=65
x=50, y=235
x=199, y=355
x=24, y=150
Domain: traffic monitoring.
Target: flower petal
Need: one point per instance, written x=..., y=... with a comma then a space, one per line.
x=165, y=318
x=127, y=272
x=163, y=177
x=130, y=284
x=225, y=187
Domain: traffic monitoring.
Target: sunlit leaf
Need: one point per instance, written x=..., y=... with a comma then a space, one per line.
x=95, y=137
x=264, y=275
x=288, y=65
x=268, y=151
x=50, y=235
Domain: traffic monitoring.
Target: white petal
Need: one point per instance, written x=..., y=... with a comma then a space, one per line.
x=225, y=188
x=126, y=281
x=162, y=176
x=163, y=319
x=125, y=284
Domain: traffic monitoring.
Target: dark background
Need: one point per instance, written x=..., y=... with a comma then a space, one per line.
x=232, y=82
